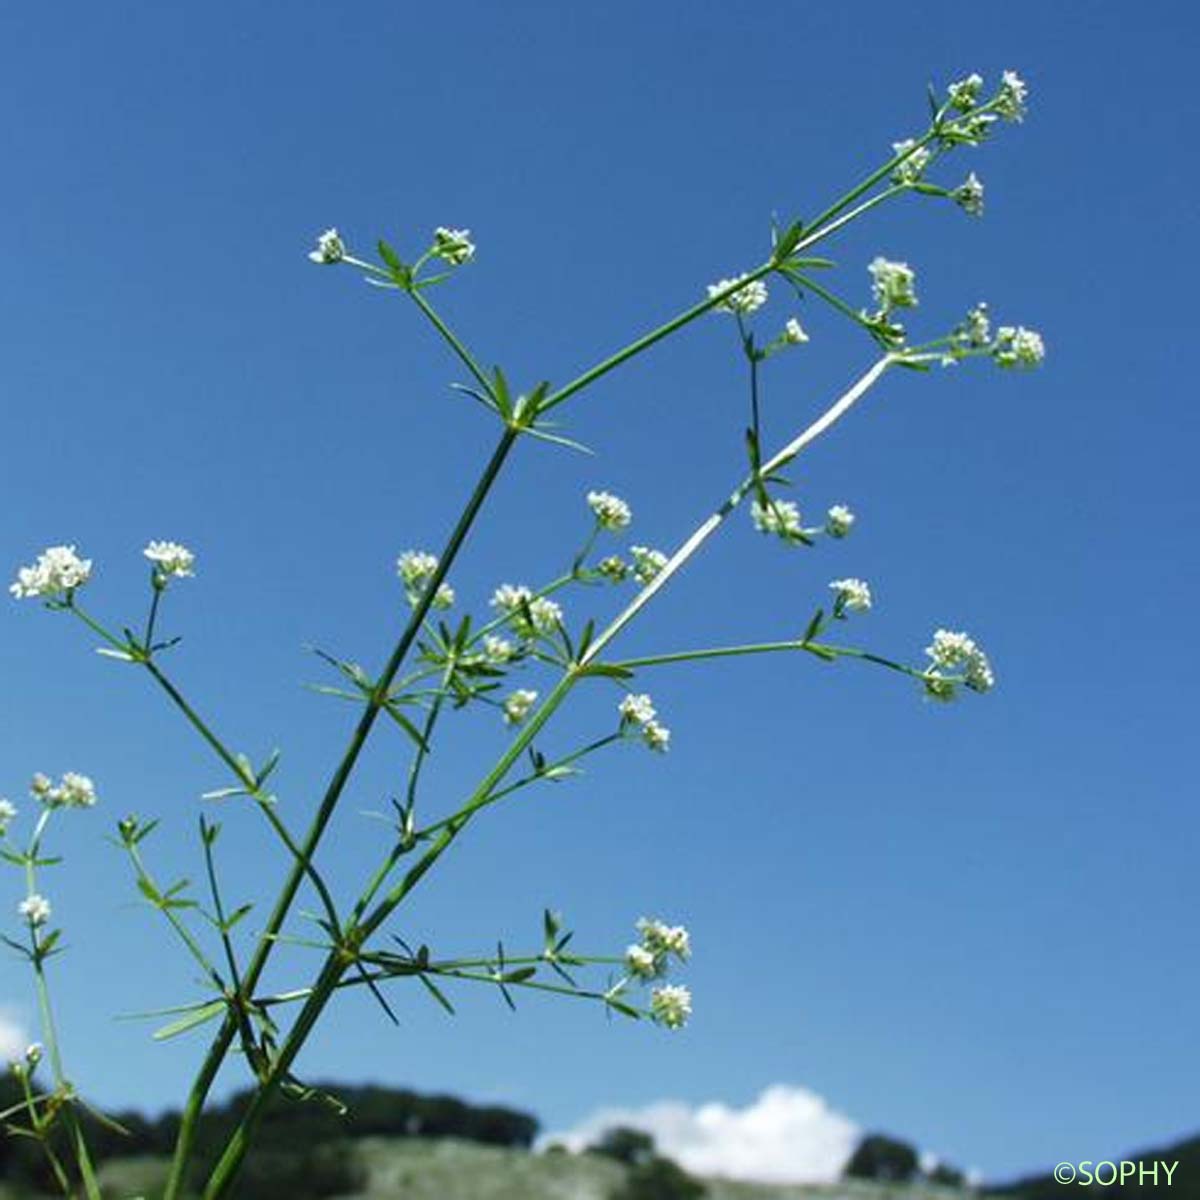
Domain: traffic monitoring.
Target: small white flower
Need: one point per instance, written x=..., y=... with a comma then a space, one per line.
x=780, y=517
x=611, y=511
x=977, y=329
x=969, y=195
x=170, y=559
x=793, y=332
x=330, y=248
x=40, y=786
x=498, y=650
x=8, y=811
x=415, y=568
x=58, y=571
x=951, y=648
x=547, y=616
x=1014, y=91
x=517, y=707
x=656, y=736
x=74, y=791
x=661, y=939
x=453, y=245
x=647, y=563
x=838, y=521
x=637, y=709
x=745, y=300
x=613, y=568
x=980, y=676
x=893, y=283
x=913, y=167
x=853, y=594
x=35, y=909
x=965, y=92
x=642, y=963
x=514, y=600
x=33, y=1054
x=509, y=597
x=1017, y=346
x=671, y=1005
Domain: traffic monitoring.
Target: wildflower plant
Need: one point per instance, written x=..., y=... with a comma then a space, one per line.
x=522, y=653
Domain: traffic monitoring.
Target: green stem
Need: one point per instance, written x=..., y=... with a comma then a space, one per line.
x=463, y=353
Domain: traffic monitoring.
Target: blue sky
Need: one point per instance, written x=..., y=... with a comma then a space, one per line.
x=965, y=924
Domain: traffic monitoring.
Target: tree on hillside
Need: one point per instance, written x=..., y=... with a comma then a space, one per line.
x=882, y=1157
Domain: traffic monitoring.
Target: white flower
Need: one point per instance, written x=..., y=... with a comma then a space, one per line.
x=853, y=594
x=838, y=521
x=637, y=709
x=611, y=511
x=661, y=939
x=58, y=570
x=641, y=963
x=969, y=195
x=40, y=786
x=547, y=616
x=171, y=559
x=913, y=167
x=780, y=517
x=965, y=92
x=514, y=600
x=444, y=596
x=1019, y=347
x=453, y=245
x=613, y=568
x=745, y=300
x=793, y=332
x=1010, y=103
x=647, y=563
x=33, y=1054
x=656, y=736
x=977, y=329
x=73, y=791
x=671, y=1005
x=518, y=705
x=893, y=283
x=498, y=650
x=35, y=909
x=8, y=811
x=330, y=248
x=980, y=676
x=509, y=597
x=415, y=566
x=950, y=649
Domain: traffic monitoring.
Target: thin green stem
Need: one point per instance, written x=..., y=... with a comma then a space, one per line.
x=452, y=341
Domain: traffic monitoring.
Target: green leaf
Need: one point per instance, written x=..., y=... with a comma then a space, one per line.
x=814, y=626
x=437, y=994
x=520, y=975
x=199, y=1016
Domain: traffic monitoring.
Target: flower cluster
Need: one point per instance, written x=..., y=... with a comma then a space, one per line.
x=953, y=650
x=639, y=714
x=913, y=166
x=35, y=909
x=650, y=957
x=1017, y=346
x=793, y=332
x=747, y=299
x=8, y=812
x=531, y=615
x=611, y=511
x=57, y=572
x=1014, y=91
x=330, y=248
x=893, y=284
x=838, y=521
x=498, y=650
x=453, y=245
x=851, y=594
x=647, y=563
x=969, y=195
x=671, y=1005
x=964, y=93
x=415, y=568
x=73, y=791
x=780, y=517
x=171, y=560
x=613, y=568
x=519, y=705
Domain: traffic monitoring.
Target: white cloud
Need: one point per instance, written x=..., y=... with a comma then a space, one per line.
x=13, y=1038
x=787, y=1135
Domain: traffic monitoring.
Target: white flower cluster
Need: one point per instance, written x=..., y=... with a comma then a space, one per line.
x=498, y=650
x=969, y=195
x=1017, y=346
x=977, y=329
x=647, y=563
x=780, y=517
x=519, y=705
x=531, y=615
x=170, y=559
x=415, y=567
x=852, y=594
x=1014, y=91
x=838, y=521
x=671, y=1005
x=913, y=167
x=613, y=568
x=57, y=572
x=330, y=248
x=73, y=791
x=8, y=812
x=747, y=299
x=951, y=650
x=893, y=284
x=35, y=909
x=453, y=245
x=638, y=712
x=611, y=511
x=793, y=332
x=650, y=958
x=964, y=93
